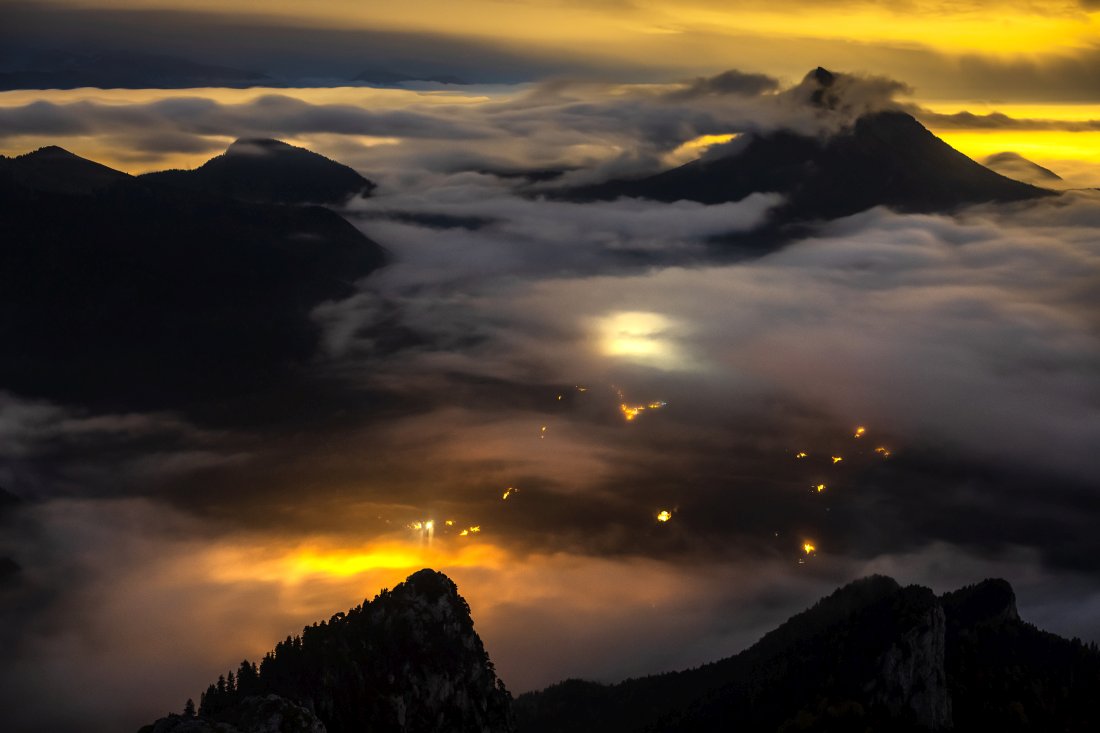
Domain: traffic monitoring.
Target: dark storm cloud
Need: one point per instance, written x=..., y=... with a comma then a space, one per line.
x=159, y=125
x=32, y=31
x=728, y=82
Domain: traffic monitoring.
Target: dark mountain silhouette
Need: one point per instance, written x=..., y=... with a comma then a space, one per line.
x=118, y=291
x=408, y=661
x=871, y=656
x=1016, y=166
x=56, y=170
x=122, y=70
x=883, y=158
x=270, y=171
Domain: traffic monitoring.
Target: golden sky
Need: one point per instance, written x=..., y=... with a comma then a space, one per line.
x=1000, y=28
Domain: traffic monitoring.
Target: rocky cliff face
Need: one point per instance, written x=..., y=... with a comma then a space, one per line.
x=912, y=680
x=450, y=685
x=407, y=662
x=871, y=656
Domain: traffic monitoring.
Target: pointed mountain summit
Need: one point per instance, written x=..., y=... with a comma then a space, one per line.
x=882, y=158
x=55, y=170
x=408, y=661
x=1015, y=166
x=270, y=171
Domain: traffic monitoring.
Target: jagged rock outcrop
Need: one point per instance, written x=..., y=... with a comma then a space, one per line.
x=912, y=679
x=871, y=656
x=407, y=662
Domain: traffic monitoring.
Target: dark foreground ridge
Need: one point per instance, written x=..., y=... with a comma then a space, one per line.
x=871, y=656
x=165, y=292
x=408, y=661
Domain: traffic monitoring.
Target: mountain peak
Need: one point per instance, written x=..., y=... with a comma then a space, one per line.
x=873, y=655
x=407, y=662
x=1013, y=165
x=991, y=601
x=54, y=169
x=886, y=158
x=431, y=584
x=259, y=145
x=50, y=152
x=271, y=171
x=822, y=76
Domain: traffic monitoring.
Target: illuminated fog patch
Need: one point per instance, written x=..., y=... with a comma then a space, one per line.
x=639, y=337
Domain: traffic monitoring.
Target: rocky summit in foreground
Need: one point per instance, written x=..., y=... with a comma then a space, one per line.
x=408, y=661
x=873, y=656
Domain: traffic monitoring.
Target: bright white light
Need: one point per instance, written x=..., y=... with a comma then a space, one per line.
x=643, y=338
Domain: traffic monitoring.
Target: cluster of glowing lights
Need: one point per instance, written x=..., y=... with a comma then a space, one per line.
x=809, y=548
x=664, y=515
x=630, y=412
x=475, y=529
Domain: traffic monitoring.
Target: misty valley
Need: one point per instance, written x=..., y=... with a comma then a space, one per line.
x=442, y=401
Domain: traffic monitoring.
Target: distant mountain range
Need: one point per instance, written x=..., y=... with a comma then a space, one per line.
x=182, y=287
x=873, y=656
x=120, y=70
x=386, y=78
x=169, y=289
x=74, y=69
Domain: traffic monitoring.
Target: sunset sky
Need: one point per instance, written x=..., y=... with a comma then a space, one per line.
x=588, y=360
